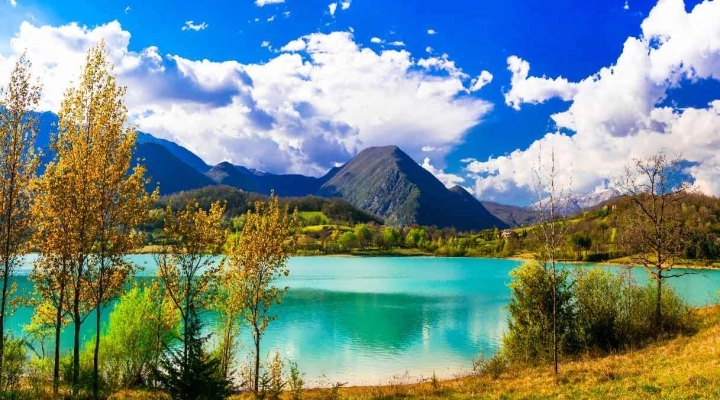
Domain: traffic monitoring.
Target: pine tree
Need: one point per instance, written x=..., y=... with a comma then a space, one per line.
x=190, y=372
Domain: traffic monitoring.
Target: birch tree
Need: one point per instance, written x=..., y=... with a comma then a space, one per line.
x=18, y=163
x=256, y=260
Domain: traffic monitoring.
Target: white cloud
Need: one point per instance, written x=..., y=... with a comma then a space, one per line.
x=286, y=14
x=294, y=113
x=397, y=43
x=351, y=29
x=345, y=4
x=483, y=79
x=449, y=180
x=431, y=31
x=620, y=112
x=376, y=40
x=271, y=19
x=13, y=3
x=257, y=20
x=189, y=25
x=332, y=7
x=265, y=43
x=429, y=49
x=626, y=6
x=261, y=3
x=428, y=149
x=295, y=45
x=127, y=10
x=532, y=89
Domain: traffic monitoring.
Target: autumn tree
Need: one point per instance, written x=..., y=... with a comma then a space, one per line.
x=90, y=200
x=256, y=260
x=187, y=265
x=654, y=232
x=18, y=163
x=121, y=203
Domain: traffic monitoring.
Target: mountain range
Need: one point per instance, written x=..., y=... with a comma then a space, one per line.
x=384, y=181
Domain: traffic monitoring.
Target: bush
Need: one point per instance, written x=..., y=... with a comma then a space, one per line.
x=530, y=328
x=13, y=363
x=139, y=327
x=494, y=366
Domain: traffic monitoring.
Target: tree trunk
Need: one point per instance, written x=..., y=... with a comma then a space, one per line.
x=3, y=302
x=58, y=327
x=658, y=312
x=257, y=360
x=76, y=344
x=555, y=339
x=96, y=356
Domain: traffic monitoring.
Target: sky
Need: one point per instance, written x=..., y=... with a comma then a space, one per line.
x=477, y=92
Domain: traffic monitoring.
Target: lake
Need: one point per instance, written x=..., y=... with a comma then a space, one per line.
x=377, y=319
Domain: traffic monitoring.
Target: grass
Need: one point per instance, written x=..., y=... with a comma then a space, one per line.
x=318, y=215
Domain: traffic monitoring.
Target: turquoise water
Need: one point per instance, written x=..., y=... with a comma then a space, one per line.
x=368, y=320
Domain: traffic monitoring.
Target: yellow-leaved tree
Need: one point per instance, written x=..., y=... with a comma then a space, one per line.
x=256, y=259
x=187, y=264
x=90, y=200
x=18, y=163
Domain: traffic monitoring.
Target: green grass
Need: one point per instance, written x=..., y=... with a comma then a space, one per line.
x=314, y=215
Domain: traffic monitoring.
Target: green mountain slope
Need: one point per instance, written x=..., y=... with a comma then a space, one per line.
x=387, y=182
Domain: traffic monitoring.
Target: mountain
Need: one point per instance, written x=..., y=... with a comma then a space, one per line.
x=227, y=174
x=577, y=203
x=513, y=216
x=387, y=182
x=187, y=156
x=173, y=174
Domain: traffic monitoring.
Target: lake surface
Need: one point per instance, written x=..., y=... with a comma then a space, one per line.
x=377, y=319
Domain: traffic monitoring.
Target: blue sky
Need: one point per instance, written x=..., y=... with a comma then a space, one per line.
x=368, y=72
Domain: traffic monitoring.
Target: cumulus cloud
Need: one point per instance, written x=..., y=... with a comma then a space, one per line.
x=398, y=43
x=532, y=89
x=428, y=49
x=319, y=101
x=331, y=8
x=271, y=19
x=345, y=4
x=127, y=10
x=190, y=26
x=483, y=79
x=449, y=180
x=621, y=112
x=261, y=3
x=626, y=6
x=376, y=40
x=13, y=3
x=431, y=31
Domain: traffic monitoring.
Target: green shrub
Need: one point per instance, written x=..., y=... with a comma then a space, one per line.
x=530, y=327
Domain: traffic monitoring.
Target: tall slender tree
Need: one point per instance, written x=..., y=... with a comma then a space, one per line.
x=89, y=199
x=552, y=207
x=18, y=163
x=654, y=232
x=188, y=264
x=256, y=260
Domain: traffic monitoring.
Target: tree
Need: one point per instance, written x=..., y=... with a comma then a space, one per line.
x=256, y=260
x=90, y=189
x=391, y=237
x=580, y=241
x=187, y=265
x=653, y=232
x=191, y=373
x=362, y=235
x=18, y=163
x=551, y=206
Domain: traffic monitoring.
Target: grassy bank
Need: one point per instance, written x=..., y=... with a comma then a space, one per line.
x=686, y=367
